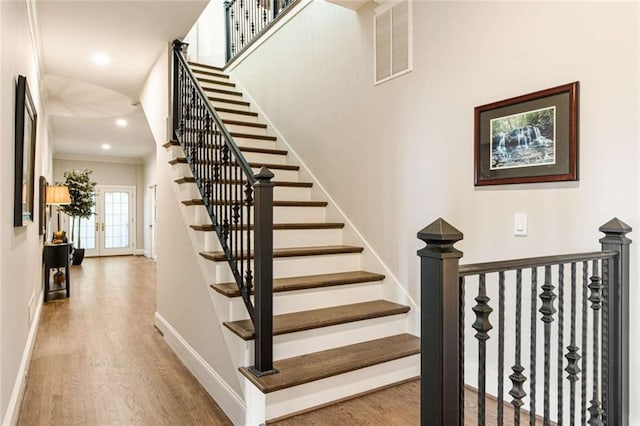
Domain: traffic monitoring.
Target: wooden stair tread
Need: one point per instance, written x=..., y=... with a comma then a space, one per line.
x=235, y=111
x=332, y=362
x=199, y=202
x=245, y=123
x=279, y=226
x=183, y=160
x=222, y=91
x=252, y=136
x=211, y=67
x=221, y=83
x=210, y=73
x=306, y=282
x=241, y=148
x=289, y=184
x=228, y=101
x=324, y=317
x=218, y=256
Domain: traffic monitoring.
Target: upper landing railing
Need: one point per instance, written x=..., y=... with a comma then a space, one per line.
x=559, y=325
x=247, y=19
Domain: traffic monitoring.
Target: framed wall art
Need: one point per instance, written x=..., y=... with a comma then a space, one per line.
x=25, y=150
x=529, y=138
x=42, y=207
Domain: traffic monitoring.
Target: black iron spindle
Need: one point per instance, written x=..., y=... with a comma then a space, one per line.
x=605, y=339
x=532, y=346
x=461, y=282
x=595, y=298
x=501, y=347
x=547, y=310
x=482, y=326
x=517, y=378
x=560, y=398
x=572, y=355
x=585, y=320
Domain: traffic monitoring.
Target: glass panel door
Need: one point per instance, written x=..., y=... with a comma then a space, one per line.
x=117, y=221
x=88, y=233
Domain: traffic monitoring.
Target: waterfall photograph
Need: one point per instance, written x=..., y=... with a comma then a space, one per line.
x=524, y=140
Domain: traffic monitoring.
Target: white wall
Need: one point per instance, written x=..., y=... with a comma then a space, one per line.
x=406, y=146
x=182, y=291
x=207, y=37
x=20, y=248
x=111, y=173
x=149, y=180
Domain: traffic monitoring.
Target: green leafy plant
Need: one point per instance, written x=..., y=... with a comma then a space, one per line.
x=82, y=191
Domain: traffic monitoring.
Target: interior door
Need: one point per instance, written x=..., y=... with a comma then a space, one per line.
x=110, y=231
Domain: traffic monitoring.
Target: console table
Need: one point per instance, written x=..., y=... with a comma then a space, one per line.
x=55, y=256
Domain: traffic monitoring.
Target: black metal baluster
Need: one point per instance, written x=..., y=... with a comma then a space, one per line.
x=585, y=320
x=560, y=341
x=517, y=378
x=532, y=346
x=595, y=286
x=572, y=355
x=500, y=348
x=605, y=338
x=249, y=206
x=461, y=349
x=547, y=310
x=217, y=173
x=482, y=326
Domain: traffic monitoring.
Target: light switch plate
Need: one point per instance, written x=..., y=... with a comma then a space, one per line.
x=520, y=224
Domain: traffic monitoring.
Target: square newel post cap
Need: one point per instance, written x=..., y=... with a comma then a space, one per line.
x=264, y=176
x=615, y=232
x=440, y=236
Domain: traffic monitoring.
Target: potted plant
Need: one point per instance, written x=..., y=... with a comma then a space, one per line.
x=82, y=191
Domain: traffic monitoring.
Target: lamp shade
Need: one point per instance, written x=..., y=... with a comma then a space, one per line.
x=58, y=195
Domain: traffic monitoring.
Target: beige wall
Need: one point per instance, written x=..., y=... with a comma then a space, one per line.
x=406, y=146
x=111, y=173
x=182, y=290
x=20, y=248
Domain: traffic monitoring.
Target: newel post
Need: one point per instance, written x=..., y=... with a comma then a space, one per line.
x=179, y=47
x=263, y=266
x=440, y=325
x=618, y=302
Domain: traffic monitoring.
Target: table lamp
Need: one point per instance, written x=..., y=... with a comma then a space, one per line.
x=58, y=195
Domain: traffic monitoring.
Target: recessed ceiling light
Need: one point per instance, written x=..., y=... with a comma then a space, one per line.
x=121, y=122
x=106, y=146
x=101, y=59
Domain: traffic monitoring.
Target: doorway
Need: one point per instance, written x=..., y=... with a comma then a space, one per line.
x=110, y=230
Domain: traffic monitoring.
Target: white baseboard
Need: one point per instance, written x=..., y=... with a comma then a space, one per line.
x=231, y=403
x=140, y=252
x=15, y=401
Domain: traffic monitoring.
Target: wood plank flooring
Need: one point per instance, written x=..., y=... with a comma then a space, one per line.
x=98, y=360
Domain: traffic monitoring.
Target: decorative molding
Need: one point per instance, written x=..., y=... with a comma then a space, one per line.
x=98, y=159
x=231, y=403
x=15, y=400
x=140, y=252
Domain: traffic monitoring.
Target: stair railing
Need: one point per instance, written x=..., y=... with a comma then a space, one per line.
x=594, y=360
x=239, y=202
x=246, y=19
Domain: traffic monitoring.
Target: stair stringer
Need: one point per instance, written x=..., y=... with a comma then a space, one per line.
x=351, y=235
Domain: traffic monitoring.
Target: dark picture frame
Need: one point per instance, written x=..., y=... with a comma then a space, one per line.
x=528, y=139
x=26, y=119
x=42, y=207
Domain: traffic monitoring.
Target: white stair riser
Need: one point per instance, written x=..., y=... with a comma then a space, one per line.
x=312, y=394
x=222, y=104
x=280, y=214
x=212, y=82
x=238, y=128
x=223, y=95
x=294, y=266
x=280, y=193
x=254, y=143
x=285, y=238
x=302, y=300
x=257, y=157
x=182, y=169
x=242, y=117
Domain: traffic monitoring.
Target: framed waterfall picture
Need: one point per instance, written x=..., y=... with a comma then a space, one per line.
x=527, y=139
x=25, y=150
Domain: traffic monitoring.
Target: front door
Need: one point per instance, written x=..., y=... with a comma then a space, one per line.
x=110, y=231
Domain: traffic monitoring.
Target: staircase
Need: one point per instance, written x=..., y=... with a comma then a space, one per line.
x=335, y=335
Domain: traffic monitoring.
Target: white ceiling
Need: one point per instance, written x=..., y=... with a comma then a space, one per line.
x=85, y=99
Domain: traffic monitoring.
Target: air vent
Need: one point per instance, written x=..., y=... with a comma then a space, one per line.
x=392, y=40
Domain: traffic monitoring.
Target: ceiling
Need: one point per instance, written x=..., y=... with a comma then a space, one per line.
x=85, y=99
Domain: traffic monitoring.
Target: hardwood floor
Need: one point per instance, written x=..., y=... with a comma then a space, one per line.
x=98, y=360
